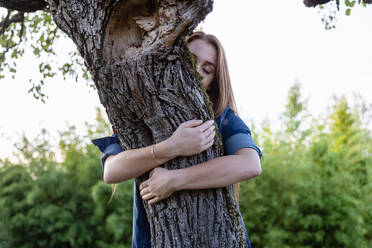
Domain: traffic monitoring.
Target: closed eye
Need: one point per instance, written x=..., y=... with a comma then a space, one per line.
x=206, y=71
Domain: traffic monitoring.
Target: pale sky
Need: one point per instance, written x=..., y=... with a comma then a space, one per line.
x=269, y=44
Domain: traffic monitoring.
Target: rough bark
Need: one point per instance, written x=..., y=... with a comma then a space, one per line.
x=147, y=82
x=24, y=5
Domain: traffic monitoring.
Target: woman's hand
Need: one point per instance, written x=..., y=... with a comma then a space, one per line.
x=159, y=186
x=192, y=137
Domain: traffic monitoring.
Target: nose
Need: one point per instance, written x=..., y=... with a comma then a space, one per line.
x=198, y=68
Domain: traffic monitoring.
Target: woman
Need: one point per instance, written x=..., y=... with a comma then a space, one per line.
x=242, y=160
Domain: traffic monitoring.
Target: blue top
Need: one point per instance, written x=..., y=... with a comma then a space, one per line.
x=235, y=135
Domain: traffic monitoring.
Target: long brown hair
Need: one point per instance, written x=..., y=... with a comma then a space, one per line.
x=220, y=91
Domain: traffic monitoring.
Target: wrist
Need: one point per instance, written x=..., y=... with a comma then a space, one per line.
x=178, y=179
x=164, y=151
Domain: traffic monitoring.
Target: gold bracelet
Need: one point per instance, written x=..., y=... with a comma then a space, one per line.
x=153, y=155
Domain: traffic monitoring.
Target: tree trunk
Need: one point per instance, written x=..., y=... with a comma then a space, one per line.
x=147, y=82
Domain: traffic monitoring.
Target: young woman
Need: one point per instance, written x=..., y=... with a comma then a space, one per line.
x=242, y=160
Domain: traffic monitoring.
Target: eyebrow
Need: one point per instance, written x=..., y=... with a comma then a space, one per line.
x=208, y=62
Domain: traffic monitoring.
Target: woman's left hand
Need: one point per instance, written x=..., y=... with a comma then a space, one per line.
x=158, y=187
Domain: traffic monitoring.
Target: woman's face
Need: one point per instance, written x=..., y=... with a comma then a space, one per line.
x=205, y=56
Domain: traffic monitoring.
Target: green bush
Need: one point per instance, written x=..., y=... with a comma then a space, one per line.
x=315, y=187
x=48, y=204
x=314, y=190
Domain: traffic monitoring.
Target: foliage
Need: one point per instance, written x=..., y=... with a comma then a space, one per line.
x=314, y=190
x=314, y=193
x=330, y=11
x=49, y=204
x=36, y=32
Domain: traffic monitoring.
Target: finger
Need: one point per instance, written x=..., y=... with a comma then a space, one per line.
x=144, y=184
x=209, y=131
x=144, y=191
x=148, y=196
x=155, y=200
x=205, y=126
x=192, y=123
x=210, y=137
x=208, y=145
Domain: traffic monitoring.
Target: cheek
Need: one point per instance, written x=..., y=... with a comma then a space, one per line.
x=207, y=80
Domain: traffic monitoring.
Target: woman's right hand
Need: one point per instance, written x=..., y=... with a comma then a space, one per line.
x=192, y=137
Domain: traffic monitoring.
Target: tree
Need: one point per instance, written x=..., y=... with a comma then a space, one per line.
x=313, y=3
x=147, y=82
x=28, y=25
x=313, y=193
x=329, y=14
x=46, y=203
x=295, y=114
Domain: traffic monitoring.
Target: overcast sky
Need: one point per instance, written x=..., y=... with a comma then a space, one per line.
x=269, y=45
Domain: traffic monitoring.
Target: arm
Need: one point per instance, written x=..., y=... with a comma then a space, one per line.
x=135, y=162
x=219, y=172
x=191, y=137
x=242, y=163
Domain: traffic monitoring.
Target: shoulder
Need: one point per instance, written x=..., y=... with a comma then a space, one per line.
x=232, y=124
x=109, y=145
x=219, y=120
x=236, y=134
x=104, y=142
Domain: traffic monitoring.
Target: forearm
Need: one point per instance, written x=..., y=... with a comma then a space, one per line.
x=133, y=163
x=219, y=172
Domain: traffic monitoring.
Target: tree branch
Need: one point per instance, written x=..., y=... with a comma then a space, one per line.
x=24, y=5
x=314, y=3
x=22, y=21
x=19, y=17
